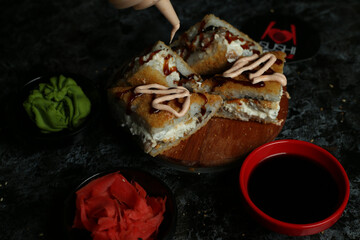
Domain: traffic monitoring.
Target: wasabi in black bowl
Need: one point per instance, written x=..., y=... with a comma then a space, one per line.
x=55, y=108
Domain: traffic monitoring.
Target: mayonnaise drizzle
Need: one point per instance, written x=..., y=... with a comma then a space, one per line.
x=243, y=65
x=169, y=94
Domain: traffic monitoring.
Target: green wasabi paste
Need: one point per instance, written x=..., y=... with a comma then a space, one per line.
x=57, y=105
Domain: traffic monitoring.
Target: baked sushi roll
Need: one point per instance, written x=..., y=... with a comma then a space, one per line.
x=241, y=86
x=158, y=128
x=211, y=45
x=253, y=91
x=160, y=65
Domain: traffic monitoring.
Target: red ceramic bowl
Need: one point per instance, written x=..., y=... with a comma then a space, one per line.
x=154, y=187
x=302, y=149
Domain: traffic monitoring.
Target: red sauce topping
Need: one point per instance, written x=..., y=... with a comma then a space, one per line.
x=200, y=33
x=269, y=72
x=245, y=46
x=256, y=52
x=185, y=37
x=201, y=37
x=278, y=61
x=230, y=37
x=166, y=69
x=190, y=46
x=207, y=44
x=142, y=61
x=184, y=79
x=201, y=27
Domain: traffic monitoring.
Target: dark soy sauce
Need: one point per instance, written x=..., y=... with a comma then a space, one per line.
x=293, y=189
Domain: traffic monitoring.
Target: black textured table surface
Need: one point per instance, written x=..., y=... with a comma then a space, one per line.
x=91, y=38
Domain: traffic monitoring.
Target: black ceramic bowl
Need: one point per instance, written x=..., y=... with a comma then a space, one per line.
x=26, y=129
x=152, y=185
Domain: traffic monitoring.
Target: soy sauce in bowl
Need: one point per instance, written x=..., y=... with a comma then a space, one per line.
x=293, y=189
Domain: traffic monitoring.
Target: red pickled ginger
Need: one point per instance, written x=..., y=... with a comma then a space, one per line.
x=110, y=208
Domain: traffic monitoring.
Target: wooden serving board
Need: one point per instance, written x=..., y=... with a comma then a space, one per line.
x=223, y=141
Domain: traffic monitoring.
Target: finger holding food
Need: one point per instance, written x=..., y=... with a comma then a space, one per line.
x=164, y=6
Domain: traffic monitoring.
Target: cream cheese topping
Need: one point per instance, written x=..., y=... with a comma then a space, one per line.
x=165, y=135
x=251, y=110
x=138, y=130
x=176, y=132
x=157, y=62
x=234, y=50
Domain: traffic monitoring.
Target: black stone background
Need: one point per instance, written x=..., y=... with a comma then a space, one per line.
x=91, y=38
